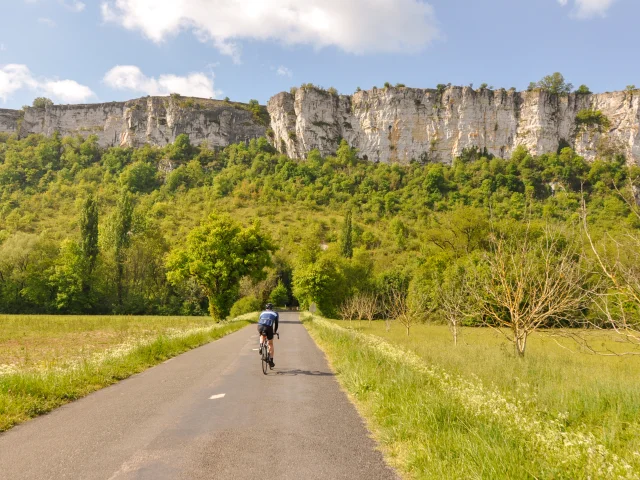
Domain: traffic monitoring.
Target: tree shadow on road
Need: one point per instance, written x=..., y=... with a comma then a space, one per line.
x=295, y=372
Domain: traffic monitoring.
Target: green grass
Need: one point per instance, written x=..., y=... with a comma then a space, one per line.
x=55, y=360
x=476, y=411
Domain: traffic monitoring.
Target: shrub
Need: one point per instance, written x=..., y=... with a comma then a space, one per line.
x=332, y=91
x=387, y=85
x=42, y=102
x=583, y=90
x=245, y=305
x=592, y=118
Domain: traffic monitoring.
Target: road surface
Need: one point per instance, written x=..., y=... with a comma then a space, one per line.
x=207, y=414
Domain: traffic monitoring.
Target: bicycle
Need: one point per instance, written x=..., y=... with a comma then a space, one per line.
x=265, y=358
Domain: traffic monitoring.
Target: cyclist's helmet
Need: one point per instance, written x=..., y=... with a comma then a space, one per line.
x=269, y=306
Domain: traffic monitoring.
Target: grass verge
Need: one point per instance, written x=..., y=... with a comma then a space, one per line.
x=433, y=424
x=27, y=394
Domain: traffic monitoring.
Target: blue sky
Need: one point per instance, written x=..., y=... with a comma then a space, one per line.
x=92, y=51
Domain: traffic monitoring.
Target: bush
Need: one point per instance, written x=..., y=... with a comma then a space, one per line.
x=279, y=295
x=583, y=90
x=42, y=102
x=592, y=118
x=139, y=177
x=245, y=305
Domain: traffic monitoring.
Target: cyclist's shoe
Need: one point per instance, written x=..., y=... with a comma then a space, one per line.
x=260, y=350
x=271, y=363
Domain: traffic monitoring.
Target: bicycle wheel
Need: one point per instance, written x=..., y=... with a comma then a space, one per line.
x=265, y=359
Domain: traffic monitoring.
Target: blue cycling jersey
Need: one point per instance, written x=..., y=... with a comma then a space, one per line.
x=268, y=318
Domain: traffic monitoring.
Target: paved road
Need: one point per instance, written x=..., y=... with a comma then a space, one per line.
x=163, y=424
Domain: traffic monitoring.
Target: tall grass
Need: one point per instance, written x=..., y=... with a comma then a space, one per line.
x=599, y=393
x=30, y=389
x=435, y=421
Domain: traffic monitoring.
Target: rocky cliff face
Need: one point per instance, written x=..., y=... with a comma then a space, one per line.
x=9, y=120
x=401, y=124
x=154, y=120
x=386, y=125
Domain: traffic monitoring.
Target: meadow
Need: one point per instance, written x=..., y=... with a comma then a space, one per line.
x=47, y=360
x=477, y=411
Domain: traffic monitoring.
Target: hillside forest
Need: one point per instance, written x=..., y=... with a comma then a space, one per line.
x=524, y=242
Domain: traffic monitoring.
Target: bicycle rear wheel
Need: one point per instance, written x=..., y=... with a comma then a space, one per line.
x=265, y=359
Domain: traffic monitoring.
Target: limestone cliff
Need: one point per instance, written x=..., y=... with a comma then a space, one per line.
x=401, y=124
x=10, y=120
x=154, y=120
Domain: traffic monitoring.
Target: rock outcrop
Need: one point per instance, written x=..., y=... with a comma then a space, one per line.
x=404, y=124
x=395, y=124
x=153, y=120
x=10, y=120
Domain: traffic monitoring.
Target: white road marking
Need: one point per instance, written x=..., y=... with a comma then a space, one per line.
x=215, y=397
x=256, y=349
x=167, y=361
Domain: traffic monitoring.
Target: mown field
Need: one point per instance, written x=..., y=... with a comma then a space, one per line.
x=478, y=411
x=46, y=360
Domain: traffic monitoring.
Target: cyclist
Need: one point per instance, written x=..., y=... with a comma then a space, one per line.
x=267, y=327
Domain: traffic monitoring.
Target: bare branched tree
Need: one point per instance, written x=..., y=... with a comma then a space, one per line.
x=406, y=308
x=370, y=306
x=348, y=310
x=618, y=302
x=526, y=283
x=452, y=297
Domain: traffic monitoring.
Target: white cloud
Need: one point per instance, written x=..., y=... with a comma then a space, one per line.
x=68, y=91
x=74, y=5
x=589, y=8
x=284, y=71
x=14, y=77
x=130, y=77
x=355, y=26
x=47, y=21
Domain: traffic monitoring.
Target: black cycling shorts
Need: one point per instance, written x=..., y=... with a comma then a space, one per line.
x=265, y=330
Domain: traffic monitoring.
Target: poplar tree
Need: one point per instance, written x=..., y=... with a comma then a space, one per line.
x=346, y=241
x=122, y=229
x=89, y=233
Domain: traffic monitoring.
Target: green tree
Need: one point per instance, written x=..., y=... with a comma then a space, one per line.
x=555, y=84
x=181, y=149
x=583, y=90
x=69, y=278
x=322, y=283
x=89, y=233
x=139, y=177
x=217, y=255
x=122, y=223
x=346, y=240
x=42, y=102
x=279, y=295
